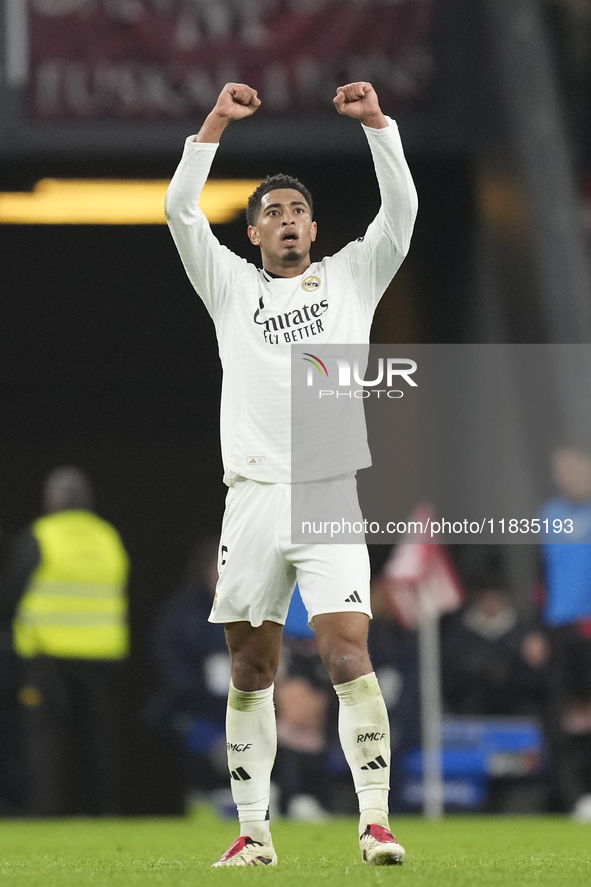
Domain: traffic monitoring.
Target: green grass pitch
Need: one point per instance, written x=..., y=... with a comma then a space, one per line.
x=179, y=852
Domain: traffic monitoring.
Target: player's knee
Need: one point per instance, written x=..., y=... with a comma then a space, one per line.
x=253, y=672
x=345, y=661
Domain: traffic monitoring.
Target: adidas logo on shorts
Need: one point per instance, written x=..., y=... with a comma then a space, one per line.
x=241, y=775
x=353, y=598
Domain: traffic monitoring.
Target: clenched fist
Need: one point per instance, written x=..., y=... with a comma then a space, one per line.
x=236, y=101
x=359, y=100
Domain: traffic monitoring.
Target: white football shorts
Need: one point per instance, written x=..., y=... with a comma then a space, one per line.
x=259, y=566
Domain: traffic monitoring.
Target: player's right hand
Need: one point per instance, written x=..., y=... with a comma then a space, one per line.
x=236, y=101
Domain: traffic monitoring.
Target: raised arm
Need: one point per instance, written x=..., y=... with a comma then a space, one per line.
x=211, y=267
x=374, y=259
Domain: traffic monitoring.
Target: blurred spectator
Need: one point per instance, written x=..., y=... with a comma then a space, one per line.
x=567, y=613
x=492, y=663
x=193, y=674
x=63, y=589
x=303, y=700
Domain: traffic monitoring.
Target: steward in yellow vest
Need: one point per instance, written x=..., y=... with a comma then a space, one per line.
x=63, y=601
x=75, y=605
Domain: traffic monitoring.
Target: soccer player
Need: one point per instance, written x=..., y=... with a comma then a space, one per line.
x=258, y=314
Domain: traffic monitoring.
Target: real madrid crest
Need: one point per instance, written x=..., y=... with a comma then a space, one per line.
x=311, y=283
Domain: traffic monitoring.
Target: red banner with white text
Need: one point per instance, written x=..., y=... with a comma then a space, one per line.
x=168, y=59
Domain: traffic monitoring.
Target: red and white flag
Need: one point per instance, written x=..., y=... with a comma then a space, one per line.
x=419, y=578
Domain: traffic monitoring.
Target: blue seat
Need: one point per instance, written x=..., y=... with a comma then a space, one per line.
x=476, y=750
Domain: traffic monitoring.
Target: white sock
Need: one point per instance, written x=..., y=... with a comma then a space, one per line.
x=364, y=731
x=251, y=738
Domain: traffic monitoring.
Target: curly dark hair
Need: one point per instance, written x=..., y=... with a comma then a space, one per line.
x=272, y=183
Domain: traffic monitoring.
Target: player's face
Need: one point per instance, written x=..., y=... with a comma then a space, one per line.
x=284, y=229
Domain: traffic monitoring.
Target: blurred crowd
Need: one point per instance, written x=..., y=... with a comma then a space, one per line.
x=508, y=662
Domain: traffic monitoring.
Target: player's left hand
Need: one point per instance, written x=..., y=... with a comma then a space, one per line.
x=359, y=100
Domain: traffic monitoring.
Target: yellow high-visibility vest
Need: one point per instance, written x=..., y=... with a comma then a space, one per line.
x=75, y=606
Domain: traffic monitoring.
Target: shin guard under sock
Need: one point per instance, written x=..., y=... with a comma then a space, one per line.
x=364, y=731
x=251, y=739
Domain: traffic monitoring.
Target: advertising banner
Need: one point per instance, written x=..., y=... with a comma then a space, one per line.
x=144, y=60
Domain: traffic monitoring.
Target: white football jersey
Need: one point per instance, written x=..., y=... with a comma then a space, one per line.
x=258, y=317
